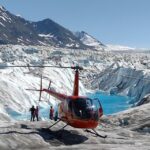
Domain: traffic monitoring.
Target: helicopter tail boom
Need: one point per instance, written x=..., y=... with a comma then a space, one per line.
x=55, y=94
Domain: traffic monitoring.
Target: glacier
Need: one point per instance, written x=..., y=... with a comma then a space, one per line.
x=124, y=73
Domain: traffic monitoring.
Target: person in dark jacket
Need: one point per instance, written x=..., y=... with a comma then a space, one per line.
x=32, y=109
x=37, y=113
x=51, y=113
x=56, y=116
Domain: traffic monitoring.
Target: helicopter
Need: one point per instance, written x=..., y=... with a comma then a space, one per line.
x=75, y=110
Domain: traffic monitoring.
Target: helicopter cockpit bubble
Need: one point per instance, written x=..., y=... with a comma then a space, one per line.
x=85, y=108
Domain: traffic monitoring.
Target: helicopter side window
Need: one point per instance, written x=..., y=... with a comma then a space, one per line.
x=70, y=105
x=78, y=106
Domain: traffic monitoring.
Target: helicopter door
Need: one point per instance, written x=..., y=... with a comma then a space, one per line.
x=98, y=106
x=70, y=108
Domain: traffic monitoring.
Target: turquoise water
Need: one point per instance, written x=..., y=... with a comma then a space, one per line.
x=110, y=103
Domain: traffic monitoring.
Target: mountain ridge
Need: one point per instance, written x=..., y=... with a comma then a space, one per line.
x=17, y=30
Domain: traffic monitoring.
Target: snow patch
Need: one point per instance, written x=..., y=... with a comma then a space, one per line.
x=118, y=48
x=46, y=35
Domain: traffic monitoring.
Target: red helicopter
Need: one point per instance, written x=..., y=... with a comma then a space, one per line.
x=76, y=111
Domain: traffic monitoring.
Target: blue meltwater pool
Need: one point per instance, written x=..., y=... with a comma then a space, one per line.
x=111, y=103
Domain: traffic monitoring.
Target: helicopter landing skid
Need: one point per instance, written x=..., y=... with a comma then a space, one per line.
x=56, y=123
x=95, y=133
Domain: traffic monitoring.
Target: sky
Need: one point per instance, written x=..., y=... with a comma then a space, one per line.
x=118, y=22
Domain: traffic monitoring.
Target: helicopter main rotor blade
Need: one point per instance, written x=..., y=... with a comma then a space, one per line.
x=40, y=66
x=33, y=90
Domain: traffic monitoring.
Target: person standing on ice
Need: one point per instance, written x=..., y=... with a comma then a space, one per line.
x=32, y=109
x=37, y=113
x=56, y=116
x=51, y=113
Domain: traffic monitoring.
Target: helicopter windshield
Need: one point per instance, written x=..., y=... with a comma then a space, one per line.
x=85, y=108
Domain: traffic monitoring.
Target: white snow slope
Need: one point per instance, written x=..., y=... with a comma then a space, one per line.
x=14, y=81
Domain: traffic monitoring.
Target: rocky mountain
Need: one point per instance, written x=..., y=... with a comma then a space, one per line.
x=17, y=30
x=89, y=40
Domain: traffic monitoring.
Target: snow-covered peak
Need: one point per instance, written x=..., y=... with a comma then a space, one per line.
x=89, y=40
x=119, y=48
x=18, y=15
